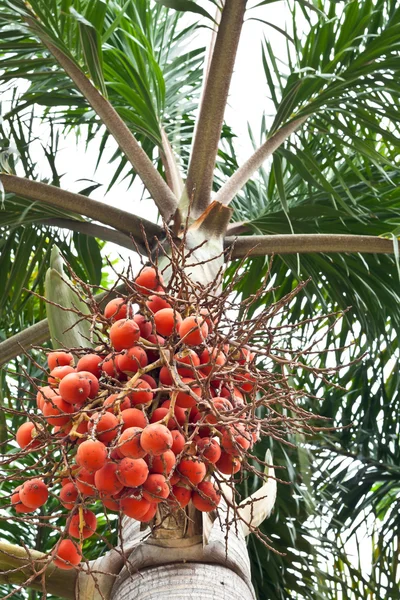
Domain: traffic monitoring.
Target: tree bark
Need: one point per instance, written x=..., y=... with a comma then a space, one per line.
x=185, y=582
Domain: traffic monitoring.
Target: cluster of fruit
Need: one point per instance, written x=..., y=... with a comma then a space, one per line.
x=156, y=414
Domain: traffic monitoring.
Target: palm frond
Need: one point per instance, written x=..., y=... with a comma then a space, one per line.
x=138, y=56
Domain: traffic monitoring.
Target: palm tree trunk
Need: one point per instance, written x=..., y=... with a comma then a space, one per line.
x=185, y=582
x=213, y=565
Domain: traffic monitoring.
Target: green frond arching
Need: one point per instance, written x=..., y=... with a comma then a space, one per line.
x=140, y=55
x=338, y=173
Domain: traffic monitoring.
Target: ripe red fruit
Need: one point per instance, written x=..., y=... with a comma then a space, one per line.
x=167, y=321
x=85, y=482
x=111, y=503
x=221, y=405
x=245, y=356
x=89, y=525
x=148, y=280
x=179, y=413
x=25, y=436
x=132, y=472
x=206, y=498
x=110, y=366
x=133, y=417
x=59, y=359
x=44, y=394
x=228, y=464
x=156, y=488
x=150, y=380
x=18, y=504
x=74, y=388
x=106, y=480
x=91, y=364
x=178, y=442
x=193, y=414
x=209, y=449
x=174, y=478
x=68, y=495
x=165, y=376
x=34, y=493
x=59, y=431
x=112, y=403
x=197, y=420
x=153, y=353
x=192, y=469
x=144, y=325
x=211, y=359
x=159, y=414
x=245, y=382
x=132, y=360
x=236, y=439
x=68, y=555
x=187, y=357
x=156, y=303
x=180, y=495
x=93, y=382
x=129, y=443
x=124, y=334
x=58, y=373
x=188, y=372
x=115, y=454
x=205, y=314
x=183, y=398
x=193, y=331
x=235, y=394
x=156, y=439
x=92, y=454
x=141, y=394
x=134, y=507
x=104, y=426
x=57, y=411
x=163, y=464
x=149, y=514
x=116, y=309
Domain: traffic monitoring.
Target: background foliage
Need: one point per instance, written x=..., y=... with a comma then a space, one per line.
x=338, y=174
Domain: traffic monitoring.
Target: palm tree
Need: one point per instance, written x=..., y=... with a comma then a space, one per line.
x=320, y=193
